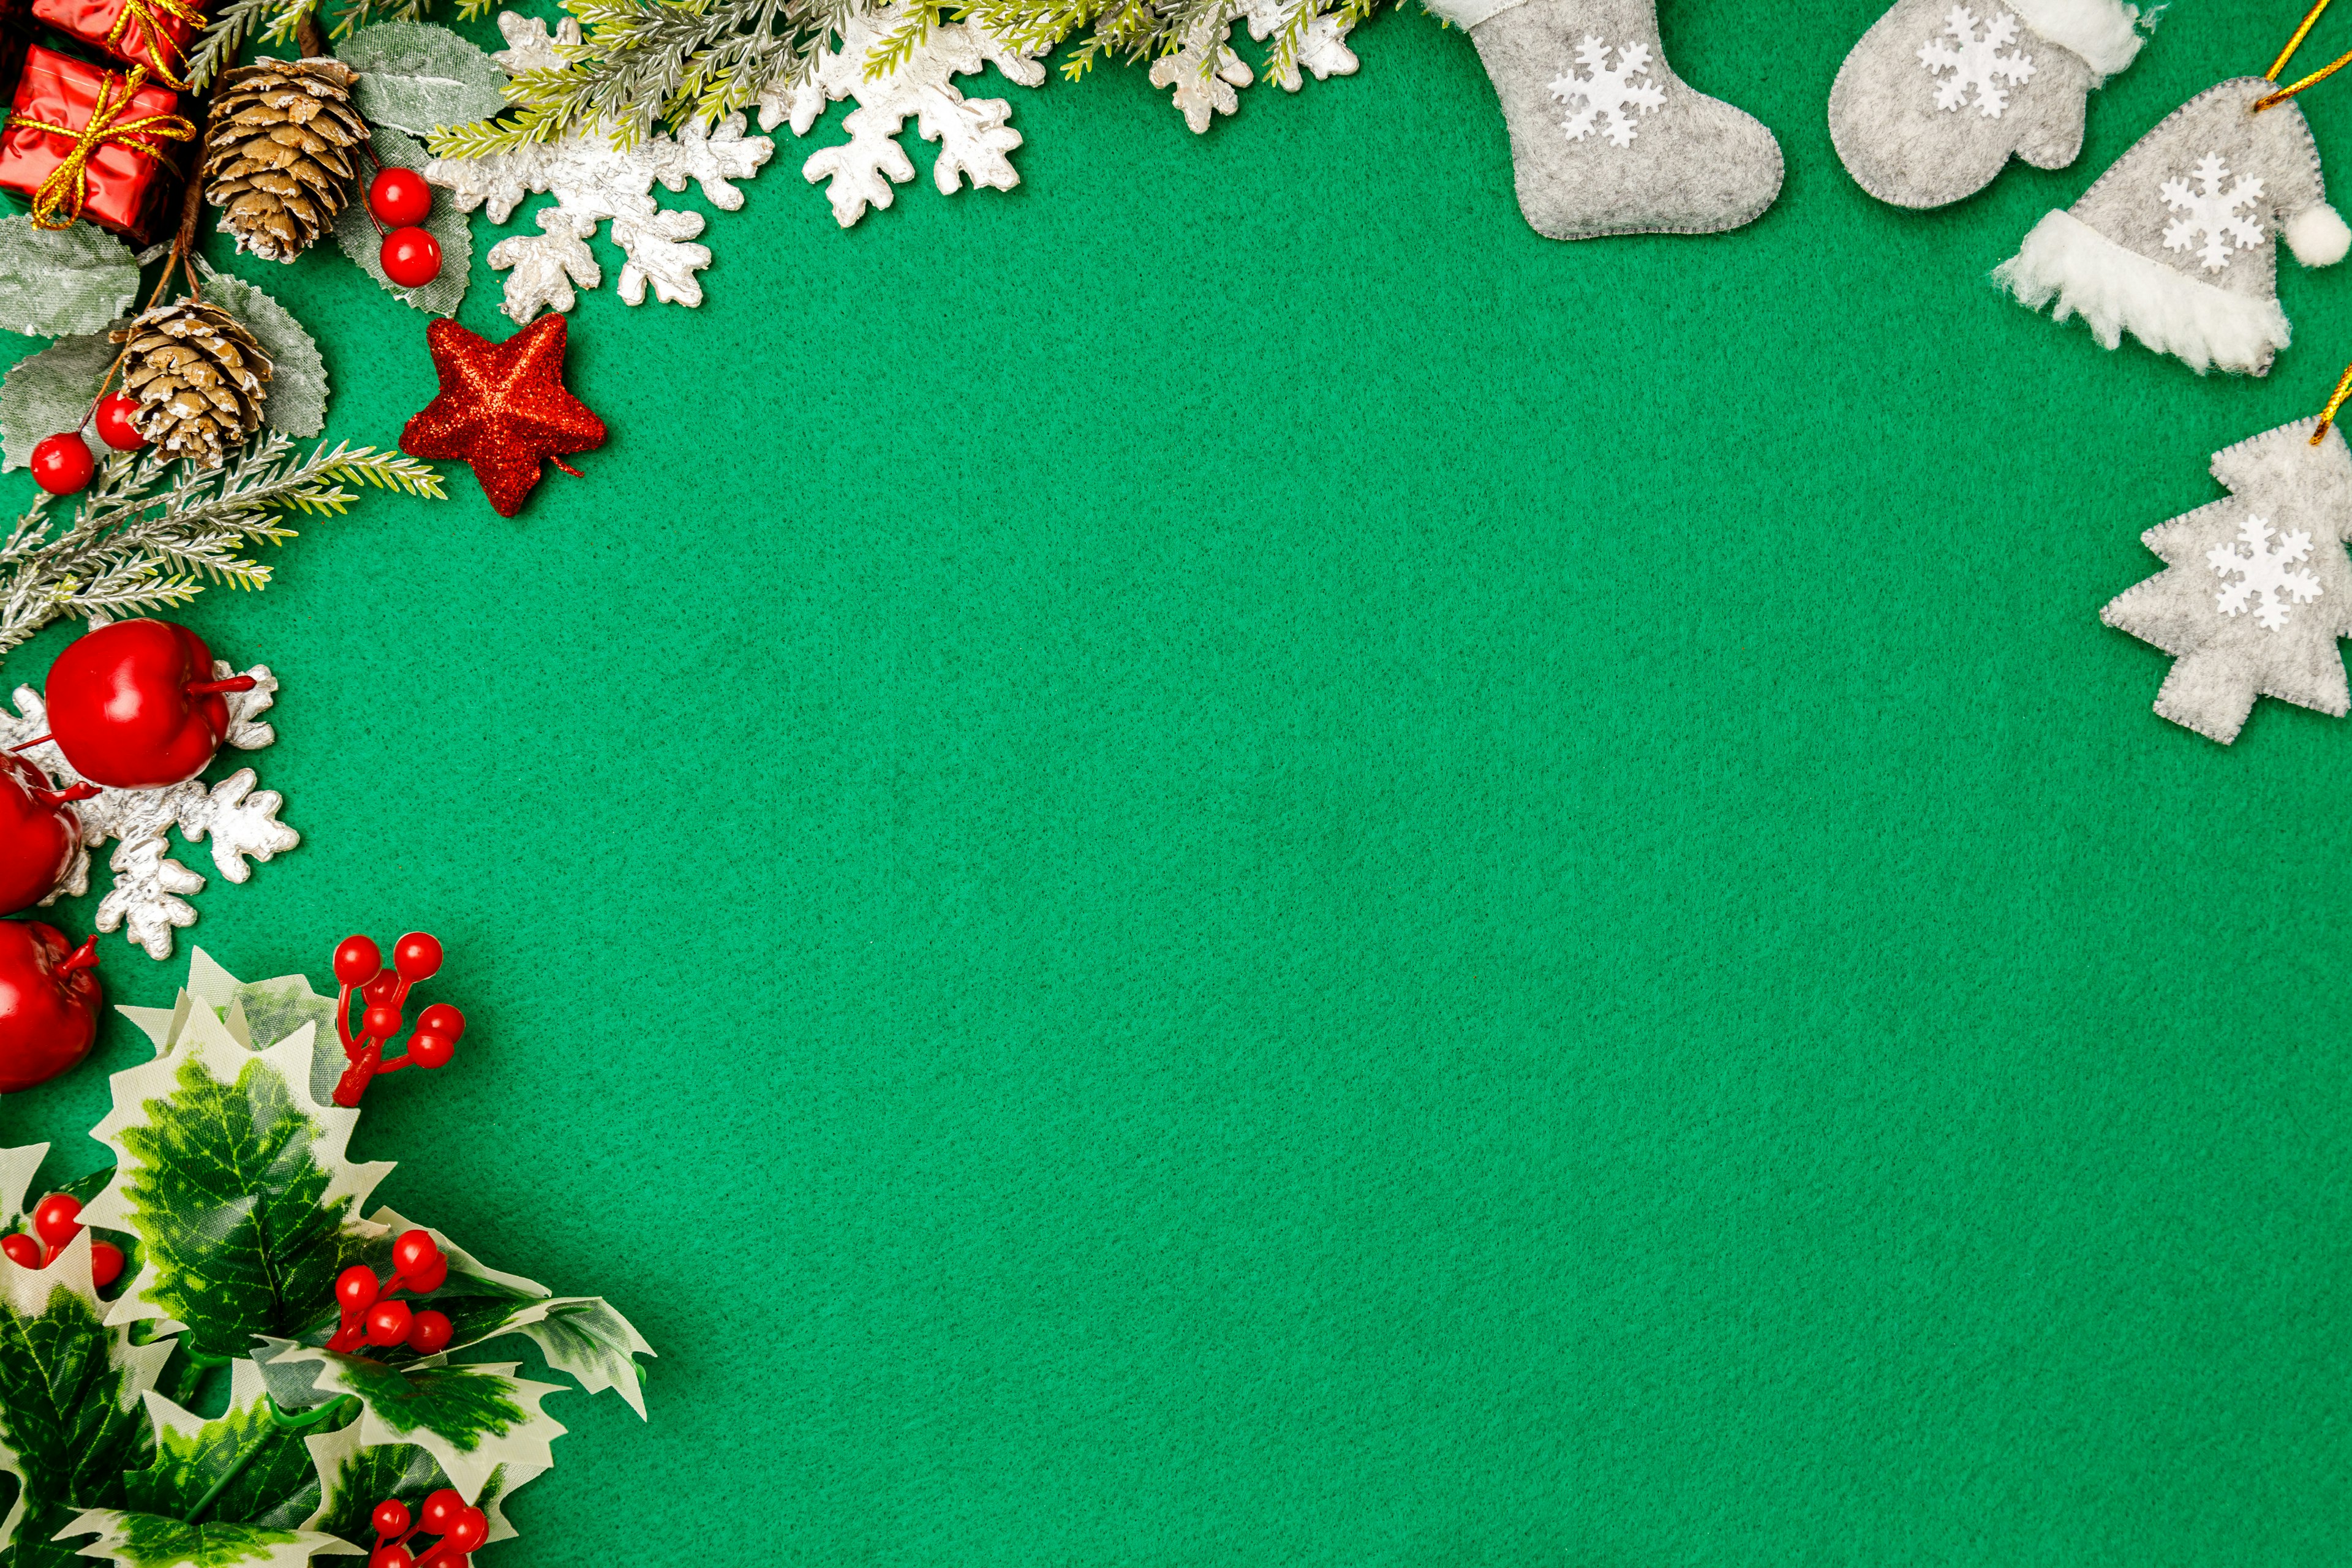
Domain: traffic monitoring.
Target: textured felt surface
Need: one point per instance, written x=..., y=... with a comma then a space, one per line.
x=1221, y=862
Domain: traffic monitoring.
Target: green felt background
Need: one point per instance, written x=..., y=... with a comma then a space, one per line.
x=1221, y=862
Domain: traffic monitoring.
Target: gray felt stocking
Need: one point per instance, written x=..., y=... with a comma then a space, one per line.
x=1605, y=139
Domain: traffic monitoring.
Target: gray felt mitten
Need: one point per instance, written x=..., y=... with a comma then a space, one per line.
x=1605, y=139
x=2256, y=588
x=1936, y=97
x=2177, y=244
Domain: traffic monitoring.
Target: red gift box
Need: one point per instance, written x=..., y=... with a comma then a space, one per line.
x=87, y=142
x=152, y=34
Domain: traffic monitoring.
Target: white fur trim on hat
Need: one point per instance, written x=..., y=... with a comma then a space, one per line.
x=2317, y=236
x=2117, y=291
x=2102, y=31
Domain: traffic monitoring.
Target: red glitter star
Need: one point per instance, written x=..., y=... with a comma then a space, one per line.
x=502, y=407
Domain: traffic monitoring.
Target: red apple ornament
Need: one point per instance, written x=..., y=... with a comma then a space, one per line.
x=134, y=705
x=38, y=831
x=49, y=1003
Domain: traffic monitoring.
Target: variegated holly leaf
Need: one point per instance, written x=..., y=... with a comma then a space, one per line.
x=257, y=1014
x=70, y=1419
x=297, y=403
x=18, y=1167
x=159, y=1541
x=58, y=281
x=239, y=1465
x=353, y=1479
x=471, y=1419
x=235, y=1178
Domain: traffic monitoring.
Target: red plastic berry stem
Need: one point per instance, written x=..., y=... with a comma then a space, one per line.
x=36, y=741
x=83, y=957
x=356, y=1078
x=55, y=797
x=215, y=688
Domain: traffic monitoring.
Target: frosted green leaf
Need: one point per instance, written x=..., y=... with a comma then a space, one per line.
x=471, y=1419
x=235, y=1179
x=70, y=1422
x=417, y=77
x=297, y=403
x=352, y=1478
x=361, y=243
x=156, y=1541
x=63, y=281
x=239, y=1465
x=50, y=392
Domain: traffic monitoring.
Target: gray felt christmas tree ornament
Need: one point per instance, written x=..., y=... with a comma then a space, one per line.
x=2177, y=244
x=1937, y=96
x=1606, y=137
x=2256, y=587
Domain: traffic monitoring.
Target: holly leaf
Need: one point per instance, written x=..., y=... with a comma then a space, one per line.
x=48, y=392
x=471, y=1419
x=353, y=1478
x=235, y=1179
x=59, y=282
x=158, y=1540
x=417, y=77
x=297, y=403
x=358, y=236
x=70, y=1422
x=239, y=1465
x=18, y=1167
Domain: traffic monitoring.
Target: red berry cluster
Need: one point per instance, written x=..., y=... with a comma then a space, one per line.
x=399, y=200
x=56, y=1220
x=371, y=1317
x=445, y=1514
x=62, y=463
x=359, y=966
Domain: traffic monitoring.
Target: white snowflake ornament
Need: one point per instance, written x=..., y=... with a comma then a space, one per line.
x=2212, y=213
x=148, y=900
x=1984, y=64
x=1608, y=98
x=2256, y=588
x=596, y=182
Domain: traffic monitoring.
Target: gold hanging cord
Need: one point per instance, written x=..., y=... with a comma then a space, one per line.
x=2335, y=405
x=2273, y=100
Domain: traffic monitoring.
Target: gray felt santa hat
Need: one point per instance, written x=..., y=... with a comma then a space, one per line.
x=2177, y=244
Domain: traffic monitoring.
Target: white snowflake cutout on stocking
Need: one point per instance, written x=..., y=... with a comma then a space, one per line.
x=146, y=902
x=594, y=182
x=2212, y=213
x=1977, y=64
x=1607, y=99
x=972, y=132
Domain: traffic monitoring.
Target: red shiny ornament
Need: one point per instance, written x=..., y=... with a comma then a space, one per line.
x=134, y=705
x=49, y=1003
x=417, y=956
x=430, y=1051
x=429, y=1333
x=114, y=425
x=105, y=1264
x=441, y=1510
x=22, y=1249
x=62, y=464
x=379, y=992
x=380, y=1023
x=399, y=197
x=503, y=408
x=387, y=1322
x=38, y=831
x=391, y=1516
x=356, y=1289
x=390, y=1557
x=411, y=258
x=414, y=1252
x=467, y=1531
x=443, y=1020
x=56, y=1219
x=429, y=1278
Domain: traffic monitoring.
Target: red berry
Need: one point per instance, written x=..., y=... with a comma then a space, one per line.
x=443, y=1020
x=105, y=1264
x=390, y=1557
x=429, y=1278
x=121, y=707
x=387, y=1322
x=416, y=956
x=411, y=258
x=356, y=1289
x=382, y=989
x=114, y=425
x=429, y=1333
x=391, y=1516
x=430, y=1051
x=467, y=1531
x=441, y=1511
x=399, y=197
x=62, y=464
x=357, y=961
x=57, y=1219
x=412, y=1250
x=22, y=1249
x=380, y=1023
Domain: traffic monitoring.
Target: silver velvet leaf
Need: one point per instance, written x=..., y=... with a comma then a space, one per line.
x=49, y=393
x=417, y=77
x=60, y=283
x=446, y=223
x=297, y=403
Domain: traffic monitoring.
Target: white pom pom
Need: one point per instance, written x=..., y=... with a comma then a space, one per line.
x=2318, y=237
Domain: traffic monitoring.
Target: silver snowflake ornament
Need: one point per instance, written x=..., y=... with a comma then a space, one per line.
x=148, y=898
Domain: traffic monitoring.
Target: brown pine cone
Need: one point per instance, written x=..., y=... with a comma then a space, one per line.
x=199, y=378
x=280, y=153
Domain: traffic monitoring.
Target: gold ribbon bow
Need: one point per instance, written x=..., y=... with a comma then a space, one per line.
x=68, y=186
x=151, y=14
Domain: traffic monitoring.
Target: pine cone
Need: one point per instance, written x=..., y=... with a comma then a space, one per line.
x=199, y=377
x=278, y=158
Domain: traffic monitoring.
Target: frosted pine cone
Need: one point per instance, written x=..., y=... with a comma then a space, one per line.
x=280, y=152
x=199, y=379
